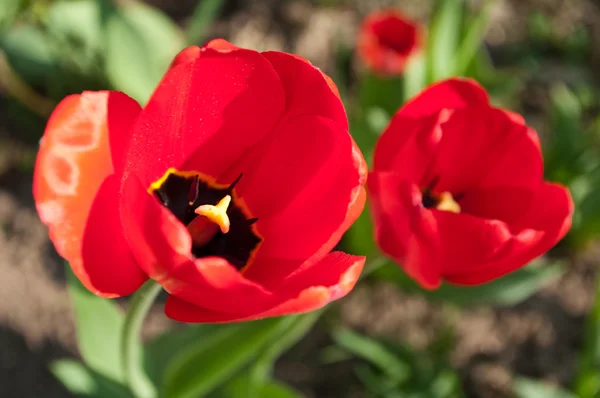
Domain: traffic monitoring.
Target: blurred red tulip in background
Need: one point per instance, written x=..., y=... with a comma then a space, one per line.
x=386, y=40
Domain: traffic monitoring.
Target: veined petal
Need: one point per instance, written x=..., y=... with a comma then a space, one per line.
x=548, y=221
x=303, y=185
x=454, y=93
x=206, y=113
x=404, y=229
x=307, y=90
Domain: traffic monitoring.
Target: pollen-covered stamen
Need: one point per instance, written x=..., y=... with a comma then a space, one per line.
x=441, y=201
x=210, y=220
x=217, y=214
x=447, y=203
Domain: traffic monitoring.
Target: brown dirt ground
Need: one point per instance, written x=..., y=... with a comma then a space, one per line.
x=538, y=338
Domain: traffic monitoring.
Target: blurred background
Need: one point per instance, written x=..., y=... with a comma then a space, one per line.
x=532, y=334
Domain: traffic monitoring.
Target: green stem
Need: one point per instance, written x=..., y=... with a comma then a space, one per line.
x=131, y=345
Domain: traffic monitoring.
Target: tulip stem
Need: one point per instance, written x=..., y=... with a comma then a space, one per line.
x=131, y=343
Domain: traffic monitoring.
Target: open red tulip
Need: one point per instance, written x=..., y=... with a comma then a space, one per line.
x=386, y=40
x=457, y=189
x=229, y=188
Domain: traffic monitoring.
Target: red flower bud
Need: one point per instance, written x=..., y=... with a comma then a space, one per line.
x=229, y=188
x=457, y=189
x=386, y=40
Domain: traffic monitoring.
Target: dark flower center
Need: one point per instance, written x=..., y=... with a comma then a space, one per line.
x=440, y=201
x=185, y=193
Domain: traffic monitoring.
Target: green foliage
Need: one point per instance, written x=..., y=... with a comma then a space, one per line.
x=205, y=13
x=9, y=11
x=185, y=362
x=444, y=36
x=203, y=366
x=587, y=382
x=81, y=381
x=92, y=44
x=527, y=388
x=564, y=149
x=392, y=370
x=242, y=387
x=140, y=44
x=505, y=291
x=30, y=52
x=99, y=323
x=262, y=368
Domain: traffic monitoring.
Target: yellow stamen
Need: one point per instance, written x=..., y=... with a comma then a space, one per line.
x=447, y=203
x=217, y=214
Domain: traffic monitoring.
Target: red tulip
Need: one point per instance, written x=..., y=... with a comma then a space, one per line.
x=386, y=40
x=229, y=188
x=457, y=189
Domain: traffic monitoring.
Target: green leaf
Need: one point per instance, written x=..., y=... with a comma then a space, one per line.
x=82, y=381
x=239, y=388
x=77, y=23
x=585, y=191
x=472, y=40
x=377, y=119
x=359, y=239
x=9, y=10
x=204, y=14
x=140, y=44
x=159, y=352
x=566, y=143
x=278, y=390
x=506, y=291
x=263, y=366
x=99, y=324
x=29, y=52
x=74, y=375
x=211, y=361
x=374, y=352
x=415, y=76
x=444, y=35
x=527, y=388
x=587, y=382
x=383, y=92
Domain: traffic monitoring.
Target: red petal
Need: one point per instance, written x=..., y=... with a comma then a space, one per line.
x=483, y=148
x=73, y=162
x=303, y=184
x=221, y=45
x=206, y=113
x=469, y=241
x=404, y=230
x=306, y=88
x=547, y=222
x=189, y=54
x=327, y=281
x=105, y=252
x=408, y=145
x=214, y=284
x=455, y=93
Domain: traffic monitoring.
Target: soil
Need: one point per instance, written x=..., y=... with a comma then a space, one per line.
x=540, y=337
